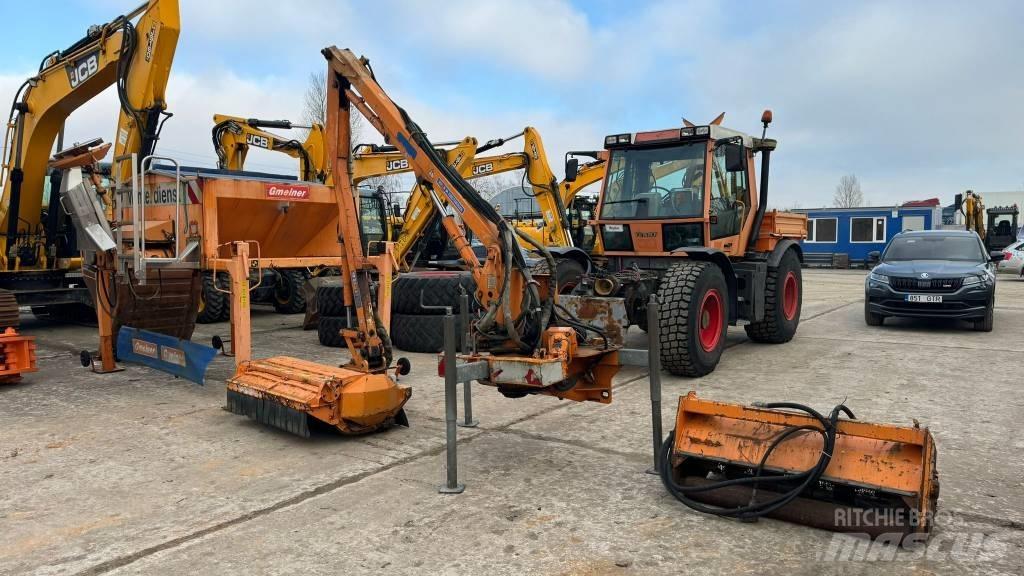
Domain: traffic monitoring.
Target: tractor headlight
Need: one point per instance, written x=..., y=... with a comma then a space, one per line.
x=880, y=278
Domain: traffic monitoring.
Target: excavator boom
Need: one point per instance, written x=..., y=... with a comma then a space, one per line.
x=136, y=55
x=233, y=136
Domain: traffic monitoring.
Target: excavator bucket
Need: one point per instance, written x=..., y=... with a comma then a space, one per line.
x=880, y=479
x=284, y=392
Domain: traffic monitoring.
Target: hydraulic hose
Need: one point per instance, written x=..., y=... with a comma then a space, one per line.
x=754, y=509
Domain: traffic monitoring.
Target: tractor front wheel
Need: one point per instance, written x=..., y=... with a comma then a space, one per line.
x=693, y=318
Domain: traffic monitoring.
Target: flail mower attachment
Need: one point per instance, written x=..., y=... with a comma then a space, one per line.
x=787, y=461
x=283, y=392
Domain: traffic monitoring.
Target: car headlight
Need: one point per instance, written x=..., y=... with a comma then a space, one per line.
x=876, y=277
x=984, y=279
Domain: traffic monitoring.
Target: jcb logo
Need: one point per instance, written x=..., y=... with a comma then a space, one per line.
x=458, y=160
x=483, y=169
x=83, y=69
x=257, y=140
x=393, y=165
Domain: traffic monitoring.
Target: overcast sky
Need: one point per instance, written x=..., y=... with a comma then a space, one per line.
x=918, y=99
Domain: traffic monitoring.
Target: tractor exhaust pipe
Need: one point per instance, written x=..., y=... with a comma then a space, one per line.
x=765, y=147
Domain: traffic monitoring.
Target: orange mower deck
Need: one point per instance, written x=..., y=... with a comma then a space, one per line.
x=282, y=391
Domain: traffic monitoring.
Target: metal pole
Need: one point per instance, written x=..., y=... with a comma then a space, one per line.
x=451, y=485
x=467, y=394
x=654, y=367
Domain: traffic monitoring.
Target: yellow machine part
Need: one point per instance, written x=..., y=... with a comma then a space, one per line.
x=282, y=391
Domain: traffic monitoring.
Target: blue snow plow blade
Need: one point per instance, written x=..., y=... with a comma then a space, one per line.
x=182, y=358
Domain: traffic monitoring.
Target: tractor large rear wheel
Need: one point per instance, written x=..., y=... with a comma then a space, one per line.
x=693, y=317
x=783, y=299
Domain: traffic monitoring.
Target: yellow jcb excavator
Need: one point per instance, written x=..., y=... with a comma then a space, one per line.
x=233, y=136
x=39, y=250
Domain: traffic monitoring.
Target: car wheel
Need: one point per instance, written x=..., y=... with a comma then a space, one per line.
x=872, y=319
x=985, y=323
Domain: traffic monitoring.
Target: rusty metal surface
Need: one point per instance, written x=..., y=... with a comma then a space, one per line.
x=606, y=314
x=895, y=464
x=167, y=304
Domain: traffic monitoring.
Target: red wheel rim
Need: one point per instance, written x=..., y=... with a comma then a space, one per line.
x=709, y=322
x=790, y=296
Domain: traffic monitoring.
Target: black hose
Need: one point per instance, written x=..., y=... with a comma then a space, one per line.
x=754, y=509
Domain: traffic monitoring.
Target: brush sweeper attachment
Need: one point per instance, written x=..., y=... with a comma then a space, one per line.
x=787, y=461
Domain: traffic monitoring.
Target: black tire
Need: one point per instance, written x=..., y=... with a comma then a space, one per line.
x=872, y=319
x=214, y=305
x=438, y=287
x=328, y=330
x=421, y=332
x=684, y=289
x=330, y=300
x=288, y=296
x=985, y=323
x=567, y=273
x=778, y=327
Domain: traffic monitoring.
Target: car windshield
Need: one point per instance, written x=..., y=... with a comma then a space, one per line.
x=656, y=183
x=957, y=248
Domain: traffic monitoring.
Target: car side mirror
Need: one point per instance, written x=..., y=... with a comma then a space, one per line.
x=735, y=159
x=572, y=169
x=874, y=256
x=996, y=256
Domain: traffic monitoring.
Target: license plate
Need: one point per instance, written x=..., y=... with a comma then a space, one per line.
x=928, y=298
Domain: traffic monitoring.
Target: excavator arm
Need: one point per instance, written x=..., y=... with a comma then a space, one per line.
x=516, y=314
x=133, y=52
x=233, y=136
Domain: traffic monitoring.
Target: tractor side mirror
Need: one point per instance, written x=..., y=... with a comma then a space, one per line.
x=997, y=255
x=874, y=256
x=735, y=160
x=572, y=169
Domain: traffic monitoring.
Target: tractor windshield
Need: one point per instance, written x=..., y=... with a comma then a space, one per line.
x=655, y=183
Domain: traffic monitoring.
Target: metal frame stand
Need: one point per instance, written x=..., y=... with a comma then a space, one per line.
x=654, y=367
x=451, y=485
x=465, y=373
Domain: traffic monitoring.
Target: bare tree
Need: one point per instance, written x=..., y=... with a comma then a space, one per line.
x=848, y=193
x=314, y=111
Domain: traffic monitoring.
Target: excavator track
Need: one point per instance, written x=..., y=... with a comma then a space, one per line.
x=9, y=315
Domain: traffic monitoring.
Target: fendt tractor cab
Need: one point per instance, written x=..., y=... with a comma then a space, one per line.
x=680, y=215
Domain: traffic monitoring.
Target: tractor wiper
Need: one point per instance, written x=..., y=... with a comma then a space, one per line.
x=630, y=201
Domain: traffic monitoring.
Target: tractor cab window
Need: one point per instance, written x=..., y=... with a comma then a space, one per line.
x=730, y=197
x=656, y=183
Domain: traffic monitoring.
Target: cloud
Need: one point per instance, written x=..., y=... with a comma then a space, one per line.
x=916, y=99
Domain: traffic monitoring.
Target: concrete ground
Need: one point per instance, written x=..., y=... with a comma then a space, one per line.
x=140, y=473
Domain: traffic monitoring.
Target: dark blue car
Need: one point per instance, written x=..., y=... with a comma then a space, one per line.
x=933, y=274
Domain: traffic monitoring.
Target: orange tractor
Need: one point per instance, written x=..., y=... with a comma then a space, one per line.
x=680, y=215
